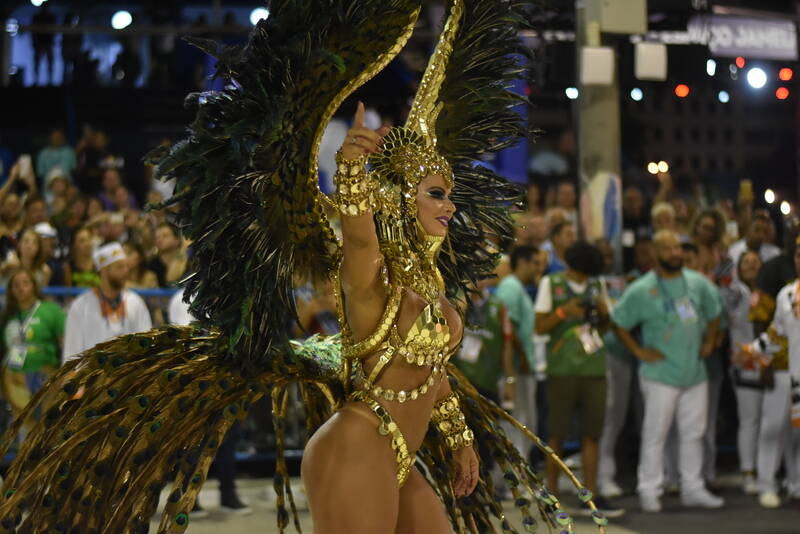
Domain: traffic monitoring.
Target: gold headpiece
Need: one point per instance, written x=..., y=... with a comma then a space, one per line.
x=408, y=155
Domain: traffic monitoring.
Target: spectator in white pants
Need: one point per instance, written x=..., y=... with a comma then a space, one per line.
x=747, y=383
x=678, y=313
x=776, y=430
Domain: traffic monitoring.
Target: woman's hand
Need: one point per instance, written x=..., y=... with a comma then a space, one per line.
x=467, y=474
x=361, y=140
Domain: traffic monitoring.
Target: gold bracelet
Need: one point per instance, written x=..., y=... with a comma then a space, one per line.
x=355, y=188
x=450, y=420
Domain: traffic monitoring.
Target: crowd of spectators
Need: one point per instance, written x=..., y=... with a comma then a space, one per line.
x=568, y=336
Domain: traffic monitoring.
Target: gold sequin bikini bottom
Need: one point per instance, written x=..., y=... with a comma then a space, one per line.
x=386, y=427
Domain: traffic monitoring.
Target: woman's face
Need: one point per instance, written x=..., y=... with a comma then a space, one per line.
x=22, y=287
x=28, y=246
x=133, y=258
x=95, y=208
x=83, y=243
x=434, y=207
x=707, y=229
x=749, y=267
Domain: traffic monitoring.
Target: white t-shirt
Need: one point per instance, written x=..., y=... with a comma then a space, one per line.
x=786, y=324
x=86, y=326
x=178, y=311
x=544, y=295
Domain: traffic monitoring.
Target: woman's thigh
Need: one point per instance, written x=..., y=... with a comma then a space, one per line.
x=420, y=508
x=350, y=478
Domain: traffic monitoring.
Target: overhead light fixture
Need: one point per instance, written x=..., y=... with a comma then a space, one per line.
x=257, y=14
x=756, y=77
x=121, y=20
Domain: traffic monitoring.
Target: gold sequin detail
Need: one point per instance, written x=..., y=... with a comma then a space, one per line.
x=450, y=420
x=387, y=426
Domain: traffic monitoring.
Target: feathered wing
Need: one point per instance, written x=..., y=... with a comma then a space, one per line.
x=246, y=175
x=132, y=414
x=137, y=412
x=477, y=119
x=481, y=510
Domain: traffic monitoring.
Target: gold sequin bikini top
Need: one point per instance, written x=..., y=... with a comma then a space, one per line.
x=427, y=343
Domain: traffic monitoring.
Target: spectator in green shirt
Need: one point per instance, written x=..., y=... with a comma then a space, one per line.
x=570, y=309
x=33, y=330
x=678, y=313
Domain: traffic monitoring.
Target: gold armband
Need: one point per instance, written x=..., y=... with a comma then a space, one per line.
x=449, y=419
x=355, y=189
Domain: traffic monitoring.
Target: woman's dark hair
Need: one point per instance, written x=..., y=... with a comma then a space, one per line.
x=719, y=223
x=39, y=259
x=74, y=238
x=12, y=306
x=585, y=258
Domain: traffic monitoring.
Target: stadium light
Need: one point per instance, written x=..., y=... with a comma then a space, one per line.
x=663, y=166
x=769, y=196
x=258, y=14
x=786, y=208
x=652, y=167
x=121, y=20
x=756, y=77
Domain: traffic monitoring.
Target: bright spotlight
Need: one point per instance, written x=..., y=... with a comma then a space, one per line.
x=652, y=167
x=663, y=166
x=121, y=19
x=258, y=14
x=756, y=77
x=637, y=94
x=724, y=97
x=571, y=92
x=37, y=3
x=711, y=67
x=786, y=208
x=769, y=196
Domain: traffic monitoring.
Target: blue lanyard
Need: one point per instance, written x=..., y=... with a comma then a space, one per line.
x=669, y=302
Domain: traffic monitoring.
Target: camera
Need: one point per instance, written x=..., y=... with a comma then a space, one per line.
x=590, y=302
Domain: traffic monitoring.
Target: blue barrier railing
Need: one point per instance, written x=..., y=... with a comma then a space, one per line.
x=61, y=291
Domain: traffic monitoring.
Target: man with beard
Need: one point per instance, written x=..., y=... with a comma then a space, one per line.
x=106, y=311
x=678, y=315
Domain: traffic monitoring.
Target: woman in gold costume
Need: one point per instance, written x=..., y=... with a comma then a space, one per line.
x=354, y=480
x=396, y=425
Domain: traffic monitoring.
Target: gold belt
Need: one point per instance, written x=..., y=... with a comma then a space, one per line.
x=389, y=426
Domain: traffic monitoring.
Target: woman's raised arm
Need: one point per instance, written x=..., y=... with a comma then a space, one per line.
x=361, y=262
